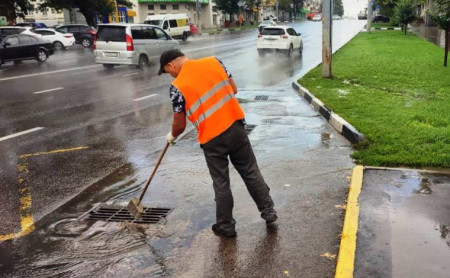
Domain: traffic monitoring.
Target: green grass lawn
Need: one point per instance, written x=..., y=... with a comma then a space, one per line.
x=395, y=90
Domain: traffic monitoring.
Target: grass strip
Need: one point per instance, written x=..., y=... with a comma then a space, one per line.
x=394, y=89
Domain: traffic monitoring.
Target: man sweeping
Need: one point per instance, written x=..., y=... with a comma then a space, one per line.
x=204, y=91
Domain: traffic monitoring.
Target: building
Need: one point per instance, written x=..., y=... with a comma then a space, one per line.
x=189, y=7
x=49, y=17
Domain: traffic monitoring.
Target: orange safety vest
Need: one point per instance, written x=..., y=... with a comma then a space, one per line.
x=210, y=102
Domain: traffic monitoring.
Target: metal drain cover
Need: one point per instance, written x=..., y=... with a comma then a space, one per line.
x=121, y=214
x=262, y=97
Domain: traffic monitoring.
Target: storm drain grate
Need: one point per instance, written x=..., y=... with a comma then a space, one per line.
x=262, y=97
x=121, y=214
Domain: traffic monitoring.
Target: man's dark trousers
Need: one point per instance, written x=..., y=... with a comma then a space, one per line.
x=234, y=143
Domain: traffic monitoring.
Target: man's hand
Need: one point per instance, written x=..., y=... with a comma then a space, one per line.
x=170, y=138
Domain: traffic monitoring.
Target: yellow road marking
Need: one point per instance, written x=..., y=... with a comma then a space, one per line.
x=26, y=216
x=346, y=258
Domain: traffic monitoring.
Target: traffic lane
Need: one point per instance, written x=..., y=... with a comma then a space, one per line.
x=59, y=163
x=59, y=60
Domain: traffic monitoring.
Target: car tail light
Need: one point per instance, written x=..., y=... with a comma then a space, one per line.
x=94, y=45
x=130, y=45
x=284, y=37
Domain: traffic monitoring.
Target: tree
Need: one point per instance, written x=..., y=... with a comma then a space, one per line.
x=405, y=13
x=386, y=6
x=441, y=16
x=88, y=8
x=14, y=8
x=227, y=6
x=338, y=8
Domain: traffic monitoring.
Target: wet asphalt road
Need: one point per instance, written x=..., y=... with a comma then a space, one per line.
x=100, y=134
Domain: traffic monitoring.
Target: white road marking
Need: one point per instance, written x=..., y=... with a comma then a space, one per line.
x=20, y=133
x=49, y=90
x=130, y=74
x=45, y=73
x=141, y=98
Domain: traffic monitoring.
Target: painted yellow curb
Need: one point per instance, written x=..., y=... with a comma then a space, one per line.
x=346, y=258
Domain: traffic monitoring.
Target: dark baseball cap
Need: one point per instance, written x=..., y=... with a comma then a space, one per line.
x=167, y=57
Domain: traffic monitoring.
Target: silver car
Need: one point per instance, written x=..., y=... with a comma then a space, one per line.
x=131, y=44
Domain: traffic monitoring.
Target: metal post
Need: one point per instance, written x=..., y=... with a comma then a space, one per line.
x=198, y=11
x=327, y=10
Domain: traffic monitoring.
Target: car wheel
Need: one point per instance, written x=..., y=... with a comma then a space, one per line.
x=41, y=55
x=185, y=36
x=58, y=45
x=108, y=66
x=289, y=51
x=261, y=53
x=300, y=49
x=86, y=42
x=143, y=62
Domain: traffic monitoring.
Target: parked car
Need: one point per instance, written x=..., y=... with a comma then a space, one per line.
x=362, y=14
x=83, y=34
x=381, y=18
x=24, y=47
x=279, y=38
x=59, y=40
x=32, y=24
x=266, y=23
x=194, y=29
x=131, y=44
x=12, y=30
x=317, y=17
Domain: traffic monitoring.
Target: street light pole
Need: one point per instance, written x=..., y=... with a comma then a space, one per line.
x=327, y=10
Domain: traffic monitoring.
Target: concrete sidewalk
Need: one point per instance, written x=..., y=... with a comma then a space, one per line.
x=403, y=228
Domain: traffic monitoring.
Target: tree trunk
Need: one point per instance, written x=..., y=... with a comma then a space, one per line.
x=447, y=31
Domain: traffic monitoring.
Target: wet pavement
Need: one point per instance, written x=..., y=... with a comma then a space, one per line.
x=404, y=225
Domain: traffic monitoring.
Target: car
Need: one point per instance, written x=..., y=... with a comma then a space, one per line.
x=362, y=14
x=24, y=47
x=59, y=40
x=32, y=24
x=131, y=44
x=194, y=29
x=381, y=18
x=317, y=17
x=266, y=23
x=83, y=34
x=13, y=30
x=280, y=39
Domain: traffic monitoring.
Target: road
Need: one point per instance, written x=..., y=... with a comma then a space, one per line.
x=92, y=135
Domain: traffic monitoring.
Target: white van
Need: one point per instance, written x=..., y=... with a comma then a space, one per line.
x=130, y=44
x=176, y=25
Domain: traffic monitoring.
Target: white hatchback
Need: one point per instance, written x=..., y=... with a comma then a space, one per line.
x=59, y=40
x=279, y=38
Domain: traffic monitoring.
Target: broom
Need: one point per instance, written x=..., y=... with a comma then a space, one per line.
x=134, y=206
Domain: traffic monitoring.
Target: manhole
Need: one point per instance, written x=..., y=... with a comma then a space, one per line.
x=121, y=214
x=262, y=97
x=249, y=128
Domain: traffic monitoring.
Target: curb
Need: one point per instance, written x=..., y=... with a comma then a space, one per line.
x=347, y=250
x=341, y=125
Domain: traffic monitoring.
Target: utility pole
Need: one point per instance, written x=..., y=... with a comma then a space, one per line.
x=327, y=12
x=369, y=15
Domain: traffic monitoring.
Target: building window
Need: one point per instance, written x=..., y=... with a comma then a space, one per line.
x=175, y=7
x=163, y=7
x=151, y=7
